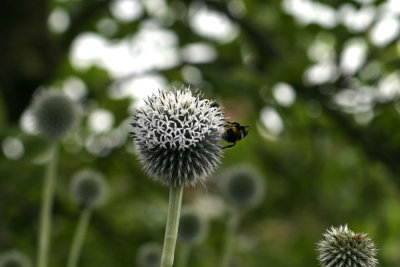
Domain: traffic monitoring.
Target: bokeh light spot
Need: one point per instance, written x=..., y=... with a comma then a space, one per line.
x=356, y=20
x=284, y=94
x=385, y=31
x=74, y=88
x=191, y=75
x=353, y=56
x=58, y=21
x=271, y=120
x=212, y=24
x=321, y=73
x=26, y=122
x=126, y=10
x=199, y=53
x=12, y=148
x=101, y=120
x=307, y=12
x=107, y=27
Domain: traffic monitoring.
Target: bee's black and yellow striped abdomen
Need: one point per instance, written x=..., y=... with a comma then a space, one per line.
x=234, y=132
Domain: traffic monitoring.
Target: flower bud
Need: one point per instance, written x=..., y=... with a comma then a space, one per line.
x=342, y=247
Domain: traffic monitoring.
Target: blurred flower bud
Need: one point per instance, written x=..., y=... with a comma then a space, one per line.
x=243, y=186
x=178, y=137
x=14, y=259
x=88, y=188
x=342, y=247
x=55, y=114
x=192, y=228
x=149, y=255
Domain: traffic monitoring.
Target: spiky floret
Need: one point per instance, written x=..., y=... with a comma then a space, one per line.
x=178, y=136
x=14, y=259
x=342, y=247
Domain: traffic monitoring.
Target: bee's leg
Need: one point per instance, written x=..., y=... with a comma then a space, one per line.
x=234, y=143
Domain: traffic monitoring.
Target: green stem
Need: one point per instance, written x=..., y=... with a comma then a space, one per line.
x=171, y=231
x=230, y=232
x=184, y=254
x=46, y=207
x=79, y=237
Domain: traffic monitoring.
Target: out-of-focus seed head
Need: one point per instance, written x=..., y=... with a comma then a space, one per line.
x=243, y=186
x=149, y=255
x=88, y=188
x=342, y=247
x=178, y=136
x=192, y=228
x=14, y=259
x=54, y=113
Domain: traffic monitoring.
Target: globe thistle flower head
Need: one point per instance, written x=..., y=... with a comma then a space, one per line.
x=178, y=136
x=192, y=228
x=342, y=247
x=88, y=188
x=149, y=255
x=14, y=259
x=55, y=114
x=243, y=186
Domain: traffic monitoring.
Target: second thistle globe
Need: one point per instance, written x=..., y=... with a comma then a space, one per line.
x=192, y=227
x=342, y=247
x=55, y=114
x=178, y=137
x=88, y=188
x=243, y=186
x=149, y=255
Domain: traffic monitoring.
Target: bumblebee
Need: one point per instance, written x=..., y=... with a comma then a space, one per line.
x=234, y=132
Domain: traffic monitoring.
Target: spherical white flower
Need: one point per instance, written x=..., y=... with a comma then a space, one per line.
x=342, y=247
x=178, y=136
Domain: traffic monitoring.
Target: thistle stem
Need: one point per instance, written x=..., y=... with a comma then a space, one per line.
x=184, y=255
x=171, y=231
x=79, y=237
x=46, y=207
x=231, y=227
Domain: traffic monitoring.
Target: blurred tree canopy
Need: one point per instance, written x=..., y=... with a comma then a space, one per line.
x=317, y=80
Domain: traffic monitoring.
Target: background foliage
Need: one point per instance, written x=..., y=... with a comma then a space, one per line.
x=317, y=80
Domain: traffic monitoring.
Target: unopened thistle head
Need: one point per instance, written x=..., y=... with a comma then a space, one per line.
x=55, y=114
x=14, y=259
x=178, y=137
x=149, y=255
x=88, y=188
x=243, y=186
x=342, y=247
x=192, y=228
